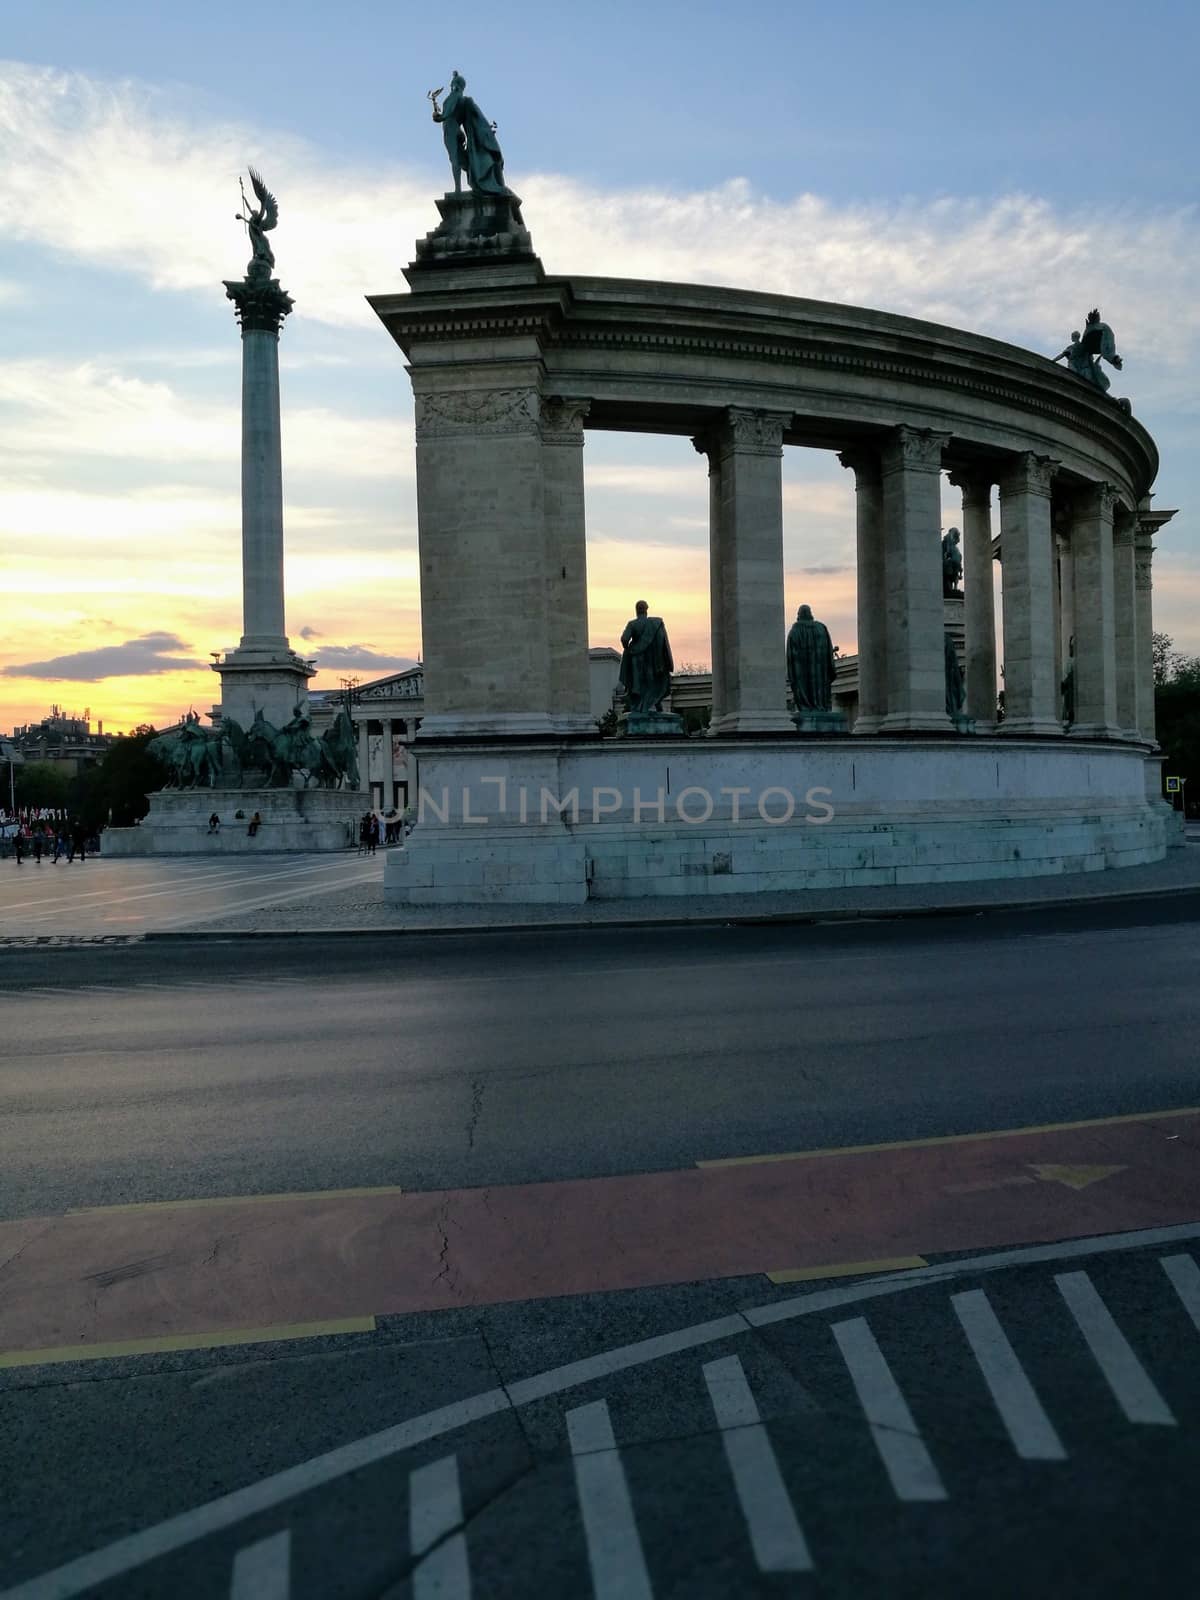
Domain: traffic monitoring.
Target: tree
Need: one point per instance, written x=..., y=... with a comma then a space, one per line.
x=1165, y=657
x=42, y=785
x=116, y=790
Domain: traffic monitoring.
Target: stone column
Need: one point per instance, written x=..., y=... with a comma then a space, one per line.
x=1066, y=602
x=1125, y=621
x=708, y=446
x=1144, y=673
x=979, y=599
x=750, y=564
x=263, y=674
x=872, y=588
x=1095, y=642
x=482, y=534
x=1031, y=690
x=566, y=562
x=912, y=520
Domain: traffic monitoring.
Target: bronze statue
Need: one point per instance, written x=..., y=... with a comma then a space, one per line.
x=470, y=141
x=810, y=663
x=259, y=222
x=191, y=754
x=951, y=564
x=1084, y=355
x=956, y=690
x=646, y=662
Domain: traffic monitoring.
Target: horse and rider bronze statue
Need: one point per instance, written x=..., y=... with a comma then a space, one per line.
x=261, y=756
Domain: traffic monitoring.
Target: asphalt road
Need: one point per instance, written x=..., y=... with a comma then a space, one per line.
x=1022, y=1422
x=186, y=1069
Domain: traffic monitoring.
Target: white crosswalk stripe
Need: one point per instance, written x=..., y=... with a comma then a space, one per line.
x=435, y=1514
x=901, y=1448
x=1029, y=1428
x=775, y=1534
x=614, y=1546
x=1185, y=1280
x=1128, y=1379
x=262, y=1571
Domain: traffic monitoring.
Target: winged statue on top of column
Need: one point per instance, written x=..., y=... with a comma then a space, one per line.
x=259, y=222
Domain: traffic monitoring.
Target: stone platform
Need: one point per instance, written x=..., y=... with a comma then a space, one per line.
x=632, y=819
x=292, y=820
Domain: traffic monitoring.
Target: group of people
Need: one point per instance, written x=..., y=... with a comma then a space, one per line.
x=214, y=823
x=368, y=834
x=68, y=837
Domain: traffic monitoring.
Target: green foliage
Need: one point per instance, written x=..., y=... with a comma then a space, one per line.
x=1177, y=717
x=115, y=791
x=42, y=784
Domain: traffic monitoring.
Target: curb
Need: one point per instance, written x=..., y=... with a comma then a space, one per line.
x=745, y=919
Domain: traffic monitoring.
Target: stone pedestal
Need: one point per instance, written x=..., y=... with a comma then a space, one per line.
x=649, y=725
x=475, y=229
x=293, y=820
x=820, y=722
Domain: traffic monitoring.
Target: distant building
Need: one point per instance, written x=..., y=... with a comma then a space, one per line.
x=63, y=738
x=387, y=713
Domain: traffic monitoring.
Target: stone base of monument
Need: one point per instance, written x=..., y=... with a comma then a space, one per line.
x=293, y=820
x=821, y=722
x=649, y=725
x=476, y=228
x=630, y=819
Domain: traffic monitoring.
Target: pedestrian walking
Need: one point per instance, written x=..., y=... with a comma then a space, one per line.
x=372, y=834
x=59, y=843
x=19, y=848
x=364, y=828
x=79, y=838
x=255, y=824
x=38, y=843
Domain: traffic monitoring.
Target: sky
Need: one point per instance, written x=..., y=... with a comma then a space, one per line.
x=999, y=169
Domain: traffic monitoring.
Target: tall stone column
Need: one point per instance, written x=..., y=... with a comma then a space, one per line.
x=1066, y=604
x=1143, y=580
x=707, y=444
x=1125, y=620
x=263, y=674
x=566, y=563
x=1095, y=634
x=1031, y=690
x=979, y=600
x=912, y=518
x=750, y=566
x=872, y=588
x=481, y=466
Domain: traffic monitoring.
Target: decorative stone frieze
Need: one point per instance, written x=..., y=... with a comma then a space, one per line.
x=477, y=411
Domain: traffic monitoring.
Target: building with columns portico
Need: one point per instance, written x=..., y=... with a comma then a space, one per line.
x=510, y=366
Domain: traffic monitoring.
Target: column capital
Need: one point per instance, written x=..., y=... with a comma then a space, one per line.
x=1098, y=499
x=459, y=412
x=1143, y=561
x=259, y=303
x=562, y=419
x=1028, y=473
x=913, y=450
x=1124, y=524
x=976, y=485
x=756, y=433
x=862, y=461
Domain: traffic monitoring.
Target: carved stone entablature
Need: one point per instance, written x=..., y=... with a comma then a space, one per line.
x=757, y=433
x=976, y=486
x=260, y=303
x=562, y=420
x=914, y=450
x=477, y=411
x=409, y=687
x=1028, y=474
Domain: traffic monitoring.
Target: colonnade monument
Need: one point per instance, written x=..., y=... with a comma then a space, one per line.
x=521, y=800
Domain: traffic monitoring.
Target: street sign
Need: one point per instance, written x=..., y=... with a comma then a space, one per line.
x=1174, y=785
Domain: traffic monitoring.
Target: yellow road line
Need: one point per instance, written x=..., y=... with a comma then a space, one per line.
x=232, y=1200
x=848, y=1269
x=952, y=1138
x=186, y=1341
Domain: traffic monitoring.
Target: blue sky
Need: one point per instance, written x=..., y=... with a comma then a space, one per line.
x=1000, y=168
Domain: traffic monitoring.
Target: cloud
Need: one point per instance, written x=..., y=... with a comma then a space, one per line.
x=1011, y=267
x=310, y=633
x=823, y=571
x=359, y=655
x=152, y=653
